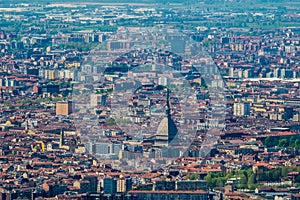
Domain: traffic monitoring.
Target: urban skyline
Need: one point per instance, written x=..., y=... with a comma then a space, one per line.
x=150, y=99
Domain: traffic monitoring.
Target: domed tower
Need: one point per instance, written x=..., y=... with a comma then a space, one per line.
x=167, y=129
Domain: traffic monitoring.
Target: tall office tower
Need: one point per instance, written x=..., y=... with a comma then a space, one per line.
x=64, y=108
x=241, y=109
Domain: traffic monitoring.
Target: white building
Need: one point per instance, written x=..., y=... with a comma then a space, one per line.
x=241, y=109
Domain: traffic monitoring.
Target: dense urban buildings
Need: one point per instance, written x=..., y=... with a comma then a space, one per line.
x=150, y=100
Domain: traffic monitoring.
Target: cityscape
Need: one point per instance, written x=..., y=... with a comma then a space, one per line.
x=170, y=100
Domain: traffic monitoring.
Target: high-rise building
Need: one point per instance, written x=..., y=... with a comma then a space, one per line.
x=49, y=88
x=248, y=73
x=110, y=185
x=62, y=139
x=50, y=74
x=98, y=99
x=288, y=113
x=93, y=182
x=102, y=148
x=121, y=185
x=277, y=73
x=124, y=184
x=241, y=109
x=64, y=107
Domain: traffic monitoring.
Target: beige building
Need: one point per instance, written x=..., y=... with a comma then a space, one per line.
x=98, y=99
x=64, y=108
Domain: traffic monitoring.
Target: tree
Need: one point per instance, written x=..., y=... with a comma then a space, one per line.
x=271, y=141
x=268, y=142
x=275, y=174
x=284, y=171
x=251, y=181
x=208, y=177
x=297, y=179
x=283, y=143
x=232, y=173
x=297, y=144
x=193, y=176
x=292, y=141
x=243, y=181
x=110, y=122
x=210, y=180
x=220, y=182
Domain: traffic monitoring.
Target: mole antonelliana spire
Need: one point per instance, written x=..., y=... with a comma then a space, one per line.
x=167, y=129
